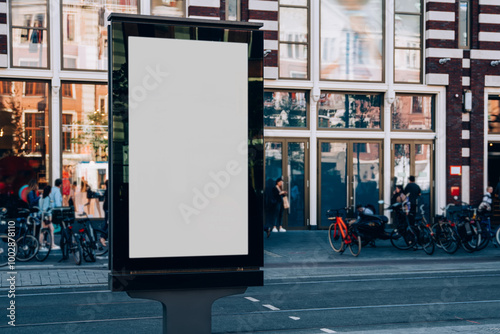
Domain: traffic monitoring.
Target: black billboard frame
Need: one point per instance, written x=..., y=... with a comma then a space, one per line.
x=173, y=273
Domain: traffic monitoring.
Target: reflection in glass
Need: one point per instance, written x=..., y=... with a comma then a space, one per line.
x=366, y=171
x=273, y=170
x=85, y=143
x=407, y=31
x=85, y=34
x=463, y=24
x=401, y=156
x=29, y=34
x=232, y=10
x=423, y=176
x=174, y=8
x=296, y=185
x=407, y=65
x=333, y=187
x=413, y=112
x=408, y=6
x=359, y=111
x=493, y=114
x=24, y=139
x=293, y=37
x=285, y=109
x=351, y=40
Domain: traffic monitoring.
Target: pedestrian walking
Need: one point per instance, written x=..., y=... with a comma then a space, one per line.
x=281, y=203
x=45, y=204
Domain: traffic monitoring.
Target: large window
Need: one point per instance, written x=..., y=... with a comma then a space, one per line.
x=24, y=141
x=285, y=109
x=494, y=114
x=294, y=39
x=85, y=33
x=350, y=111
x=407, y=41
x=29, y=33
x=233, y=9
x=413, y=112
x=352, y=40
x=168, y=8
x=85, y=143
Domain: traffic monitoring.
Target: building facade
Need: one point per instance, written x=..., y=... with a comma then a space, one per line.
x=359, y=95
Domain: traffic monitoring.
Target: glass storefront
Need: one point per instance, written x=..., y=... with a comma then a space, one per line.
x=285, y=109
x=24, y=139
x=413, y=112
x=85, y=145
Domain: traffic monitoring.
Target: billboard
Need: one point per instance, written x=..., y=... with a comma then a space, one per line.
x=186, y=151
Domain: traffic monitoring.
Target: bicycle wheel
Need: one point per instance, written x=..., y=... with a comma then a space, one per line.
x=45, y=245
x=448, y=240
x=88, y=250
x=335, y=237
x=485, y=238
x=403, y=239
x=426, y=240
x=100, y=249
x=355, y=244
x=471, y=242
x=497, y=236
x=27, y=248
x=75, y=248
x=4, y=250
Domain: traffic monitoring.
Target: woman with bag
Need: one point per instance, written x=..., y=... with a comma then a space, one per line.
x=281, y=200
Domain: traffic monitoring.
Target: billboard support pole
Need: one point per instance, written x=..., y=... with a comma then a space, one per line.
x=187, y=311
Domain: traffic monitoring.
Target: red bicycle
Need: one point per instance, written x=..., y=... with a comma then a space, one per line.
x=342, y=235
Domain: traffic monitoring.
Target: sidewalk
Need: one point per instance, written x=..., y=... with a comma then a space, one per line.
x=290, y=255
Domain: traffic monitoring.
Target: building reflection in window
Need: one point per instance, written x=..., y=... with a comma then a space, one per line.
x=85, y=144
x=349, y=111
x=413, y=112
x=351, y=40
x=174, y=8
x=285, y=109
x=85, y=32
x=24, y=139
x=29, y=33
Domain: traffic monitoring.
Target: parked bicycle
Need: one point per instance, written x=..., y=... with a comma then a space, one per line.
x=342, y=235
x=89, y=238
x=4, y=239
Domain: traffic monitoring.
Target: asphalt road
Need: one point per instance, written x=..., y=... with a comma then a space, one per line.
x=436, y=302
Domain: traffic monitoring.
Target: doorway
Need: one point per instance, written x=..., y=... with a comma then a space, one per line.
x=349, y=175
x=288, y=158
x=415, y=157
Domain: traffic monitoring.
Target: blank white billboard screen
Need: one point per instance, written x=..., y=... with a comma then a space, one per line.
x=188, y=163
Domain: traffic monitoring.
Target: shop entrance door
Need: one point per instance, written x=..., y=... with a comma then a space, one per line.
x=349, y=175
x=289, y=159
x=415, y=157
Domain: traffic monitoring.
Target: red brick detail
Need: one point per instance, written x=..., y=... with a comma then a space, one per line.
x=271, y=35
x=441, y=7
x=438, y=25
x=271, y=59
x=3, y=18
x=440, y=43
x=466, y=126
x=485, y=9
x=487, y=27
x=466, y=142
x=222, y=9
x=465, y=161
x=3, y=44
x=452, y=67
x=489, y=45
x=244, y=10
x=204, y=11
x=263, y=15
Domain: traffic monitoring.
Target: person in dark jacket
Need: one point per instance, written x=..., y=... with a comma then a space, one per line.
x=277, y=194
x=413, y=191
x=33, y=197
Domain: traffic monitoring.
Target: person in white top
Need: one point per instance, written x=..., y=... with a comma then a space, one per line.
x=45, y=206
x=55, y=195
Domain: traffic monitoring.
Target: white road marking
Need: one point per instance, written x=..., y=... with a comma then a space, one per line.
x=271, y=254
x=295, y=318
x=273, y=308
x=252, y=299
x=326, y=330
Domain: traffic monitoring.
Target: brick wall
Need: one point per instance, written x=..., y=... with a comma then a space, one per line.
x=4, y=61
x=466, y=70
